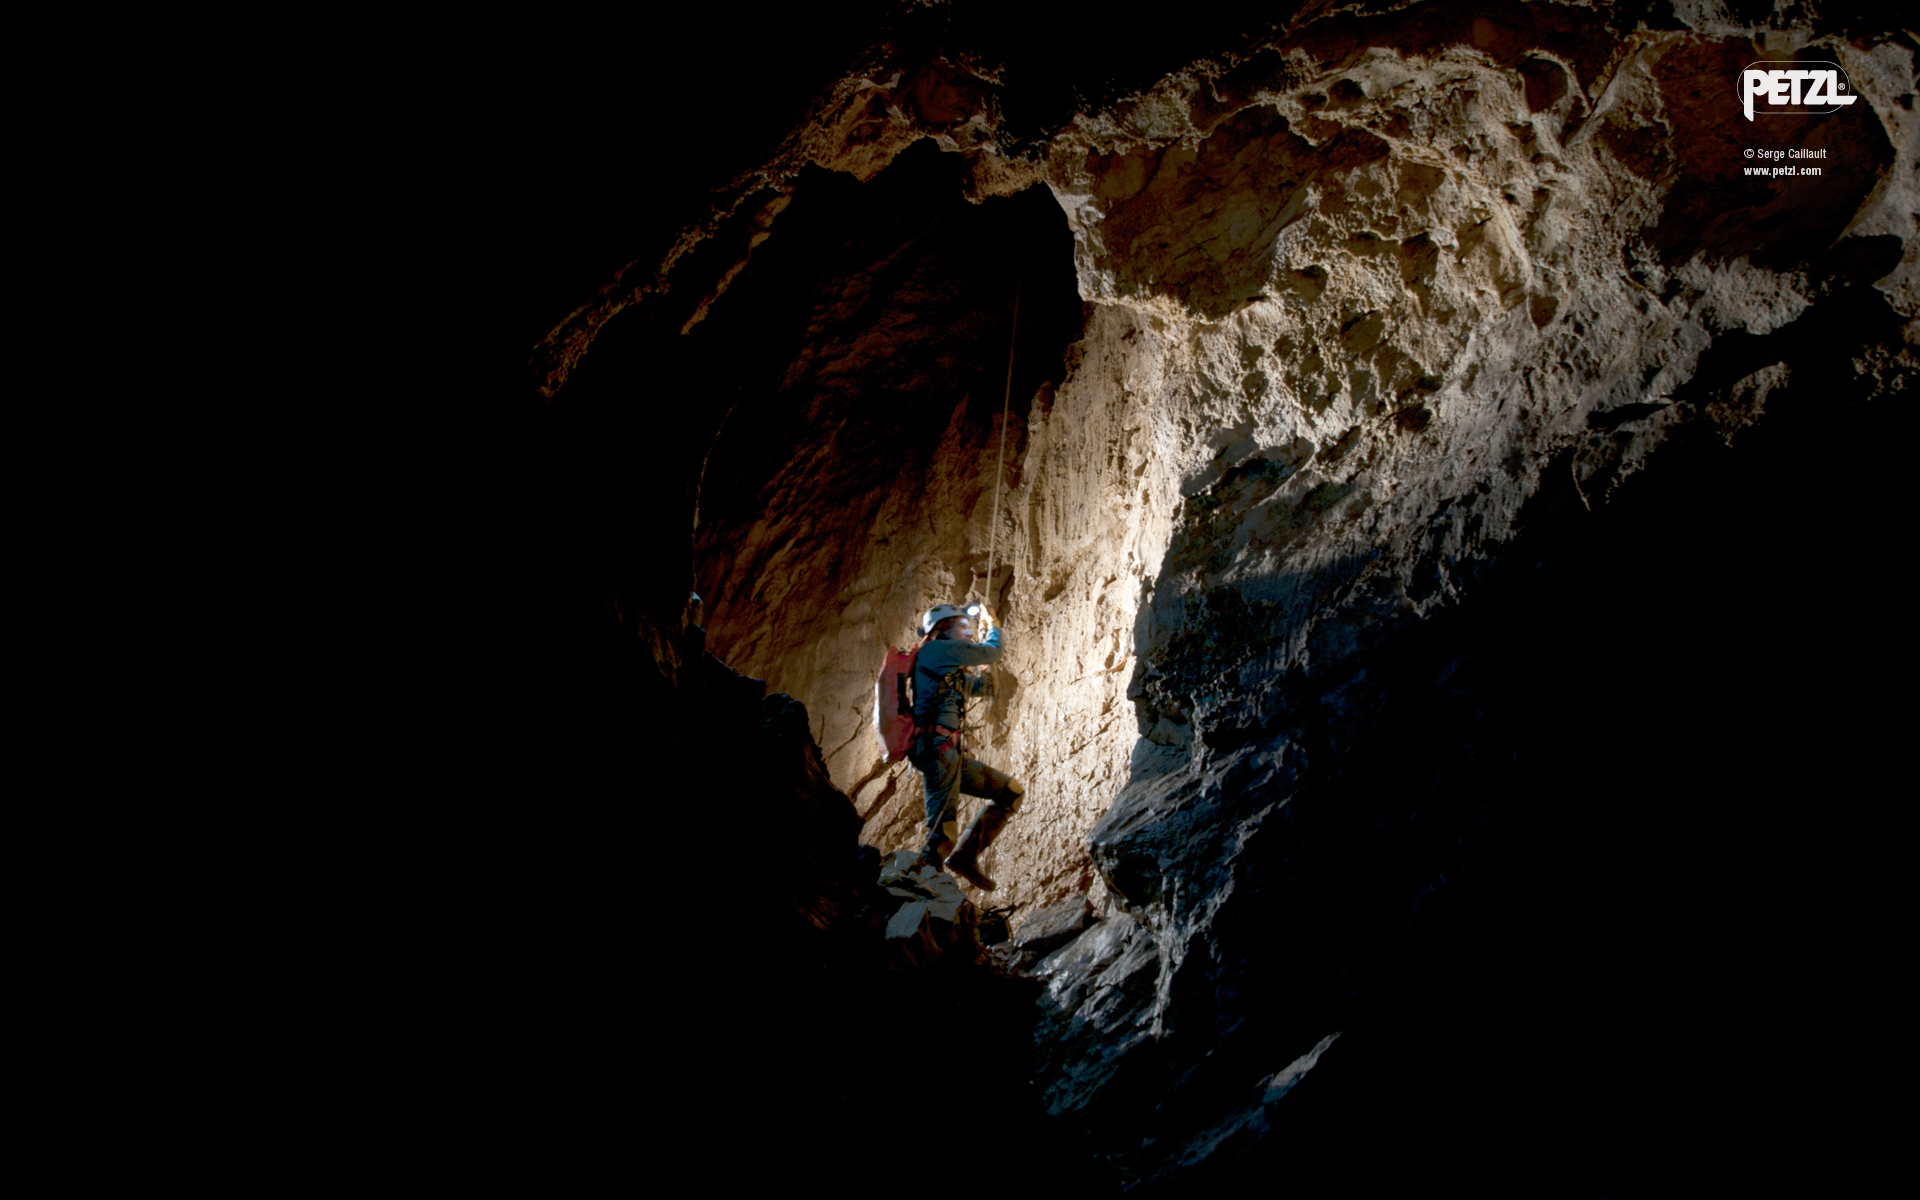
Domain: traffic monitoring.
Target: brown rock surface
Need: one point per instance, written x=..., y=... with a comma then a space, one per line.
x=1353, y=298
x=1319, y=335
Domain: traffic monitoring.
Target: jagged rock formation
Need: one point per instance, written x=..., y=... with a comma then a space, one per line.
x=1360, y=355
x=1377, y=281
x=933, y=917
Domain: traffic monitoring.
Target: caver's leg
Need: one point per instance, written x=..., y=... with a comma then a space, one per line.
x=1003, y=799
x=941, y=772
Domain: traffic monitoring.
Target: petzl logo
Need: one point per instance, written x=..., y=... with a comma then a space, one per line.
x=1794, y=88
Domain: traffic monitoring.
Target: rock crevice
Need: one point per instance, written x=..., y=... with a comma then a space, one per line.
x=1337, y=349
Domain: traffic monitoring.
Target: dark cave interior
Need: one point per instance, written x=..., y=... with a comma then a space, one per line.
x=1680, y=831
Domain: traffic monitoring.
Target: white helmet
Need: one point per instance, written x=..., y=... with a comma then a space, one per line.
x=941, y=612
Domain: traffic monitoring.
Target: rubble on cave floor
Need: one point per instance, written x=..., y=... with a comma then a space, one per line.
x=932, y=917
x=927, y=916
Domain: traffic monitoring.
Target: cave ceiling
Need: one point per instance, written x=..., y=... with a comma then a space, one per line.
x=1311, y=325
x=1304, y=338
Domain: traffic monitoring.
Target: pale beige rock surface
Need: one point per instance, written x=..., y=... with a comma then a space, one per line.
x=1444, y=546
x=1350, y=305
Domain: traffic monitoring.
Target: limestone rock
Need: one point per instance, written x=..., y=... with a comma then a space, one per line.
x=1091, y=1023
x=1053, y=925
x=932, y=916
x=1358, y=305
x=804, y=819
x=1347, y=342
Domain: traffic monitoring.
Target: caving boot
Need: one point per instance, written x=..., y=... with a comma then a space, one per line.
x=964, y=861
x=930, y=853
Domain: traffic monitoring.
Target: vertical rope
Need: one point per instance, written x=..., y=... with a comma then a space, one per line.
x=1000, y=469
x=999, y=472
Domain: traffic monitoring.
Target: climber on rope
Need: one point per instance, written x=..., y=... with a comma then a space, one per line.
x=941, y=686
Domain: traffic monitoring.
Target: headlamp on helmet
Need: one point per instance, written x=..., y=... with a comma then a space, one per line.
x=939, y=613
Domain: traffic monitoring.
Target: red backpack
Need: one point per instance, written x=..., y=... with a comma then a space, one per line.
x=893, y=705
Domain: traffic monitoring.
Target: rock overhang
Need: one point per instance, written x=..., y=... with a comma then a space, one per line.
x=1426, y=288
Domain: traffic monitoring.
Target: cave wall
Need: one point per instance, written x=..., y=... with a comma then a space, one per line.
x=1358, y=298
x=1081, y=528
x=1364, y=311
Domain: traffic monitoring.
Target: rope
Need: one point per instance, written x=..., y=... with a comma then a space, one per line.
x=999, y=472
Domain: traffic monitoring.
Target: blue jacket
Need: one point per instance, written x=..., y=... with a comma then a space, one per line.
x=935, y=659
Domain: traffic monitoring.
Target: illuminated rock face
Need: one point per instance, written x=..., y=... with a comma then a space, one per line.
x=1351, y=304
x=1317, y=332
